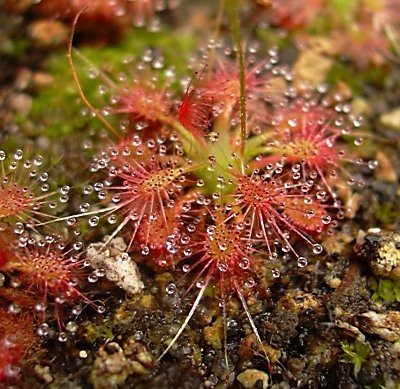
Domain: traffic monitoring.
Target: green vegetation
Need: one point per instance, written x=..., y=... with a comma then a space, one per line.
x=387, y=290
x=355, y=353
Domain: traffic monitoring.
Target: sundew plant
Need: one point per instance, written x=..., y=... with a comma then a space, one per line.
x=236, y=169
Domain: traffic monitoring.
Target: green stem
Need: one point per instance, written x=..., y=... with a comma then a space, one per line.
x=77, y=82
x=233, y=9
x=258, y=151
x=220, y=150
x=256, y=146
x=193, y=148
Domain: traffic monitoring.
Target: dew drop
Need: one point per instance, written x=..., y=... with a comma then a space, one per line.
x=200, y=284
x=14, y=308
x=372, y=164
x=40, y=307
x=326, y=219
x=276, y=273
x=187, y=252
x=101, y=309
x=317, y=248
x=244, y=263
x=214, y=136
x=71, y=327
x=138, y=335
x=93, y=73
x=84, y=207
x=170, y=288
x=358, y=141
x=43, y=329
x=92, y=278
x=222, y=267
x=112, y=219
x=302, y=262
x=94, y=221
x=62, y=337
x=77, y=310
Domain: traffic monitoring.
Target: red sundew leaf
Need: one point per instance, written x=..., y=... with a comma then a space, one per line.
x=194, y=113
x=311, y=218
x=101, y=21
x=145, y=186
x=223, y=83
x=50, y=273
x=368, y=40
x=143, y=103
x=25, y=190
x=308, y=135
x=195, y=110
x=273, y=207
x=218, y=251
x=362, y=44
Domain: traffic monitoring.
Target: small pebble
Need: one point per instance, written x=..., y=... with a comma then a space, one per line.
x=252, y=377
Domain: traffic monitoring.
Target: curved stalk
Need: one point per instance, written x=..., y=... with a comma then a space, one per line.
x=81, y=93
x=233, y=9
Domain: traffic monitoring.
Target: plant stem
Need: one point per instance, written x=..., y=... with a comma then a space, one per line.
x=233, y=9
x=78, y=84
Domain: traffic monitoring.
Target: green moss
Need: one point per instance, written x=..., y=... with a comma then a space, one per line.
x=175, y=48
x=14, y=49
x=320, y=26
x=57, y=111
x=93, y=332
x=386, y=290
x=377, y=384
x=342, y=7
x=356, y=80
x=386, y=213
x=341, y=72
x=355, y=353
x=272, y=37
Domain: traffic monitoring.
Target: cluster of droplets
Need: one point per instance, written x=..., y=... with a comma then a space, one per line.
x=144, y=10
x=25, y=193
x=275, y=207
x=309, y=133
x=46, y=274
x=218, y=250
x=145, y=182
x=261, y=222
x=215, y=92
x=187, y=182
